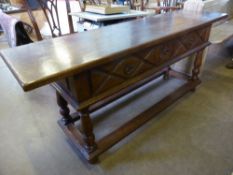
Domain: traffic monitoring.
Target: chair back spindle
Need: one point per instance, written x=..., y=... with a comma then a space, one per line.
x=51, y=14
x=159, y=6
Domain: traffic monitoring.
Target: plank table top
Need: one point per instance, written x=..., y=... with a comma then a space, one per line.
x=44, y=62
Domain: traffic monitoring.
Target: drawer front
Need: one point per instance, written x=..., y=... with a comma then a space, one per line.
x=105, y=77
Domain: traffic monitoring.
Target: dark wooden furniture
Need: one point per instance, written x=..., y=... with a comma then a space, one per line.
x=51, y=13
x=92, y=69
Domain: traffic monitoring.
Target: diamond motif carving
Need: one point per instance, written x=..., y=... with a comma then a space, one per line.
x=103, y=78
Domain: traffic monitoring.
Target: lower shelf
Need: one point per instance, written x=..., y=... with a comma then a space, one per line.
x=106, y=142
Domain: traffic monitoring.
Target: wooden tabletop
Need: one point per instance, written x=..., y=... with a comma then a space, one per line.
x=43, y=62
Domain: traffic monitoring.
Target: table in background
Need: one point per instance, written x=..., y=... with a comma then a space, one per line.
x=102, y=20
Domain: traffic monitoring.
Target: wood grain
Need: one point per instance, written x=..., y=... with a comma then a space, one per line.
x=93, y=69
x=41, y=63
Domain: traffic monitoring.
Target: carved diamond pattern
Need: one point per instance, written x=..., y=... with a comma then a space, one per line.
x=179, y=49
x=202, y=34
x=191, y=40
x=102, y=81
x=127, y=67
x=117, y=72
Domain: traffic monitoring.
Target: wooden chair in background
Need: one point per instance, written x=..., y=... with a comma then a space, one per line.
x=51, y=13
x=83, y=3
x=159, y=6
x=164, y=6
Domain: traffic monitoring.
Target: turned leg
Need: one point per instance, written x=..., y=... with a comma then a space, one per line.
x=197, y=66
x=166, y=73
x=94, y=160
x=64, y=110
x=230, y=65
x=87, y=131
x=198, y=58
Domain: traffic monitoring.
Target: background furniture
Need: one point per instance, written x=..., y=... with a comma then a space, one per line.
x=103, y=20
x=158, y=6
x=51, y=13
x=14, y=30
x=7, y=8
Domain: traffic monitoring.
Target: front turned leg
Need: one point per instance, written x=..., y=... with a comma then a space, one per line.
x=197, y=67
x=87, y=131
x=230, y=65
x=64, y=110
x=166, y=73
